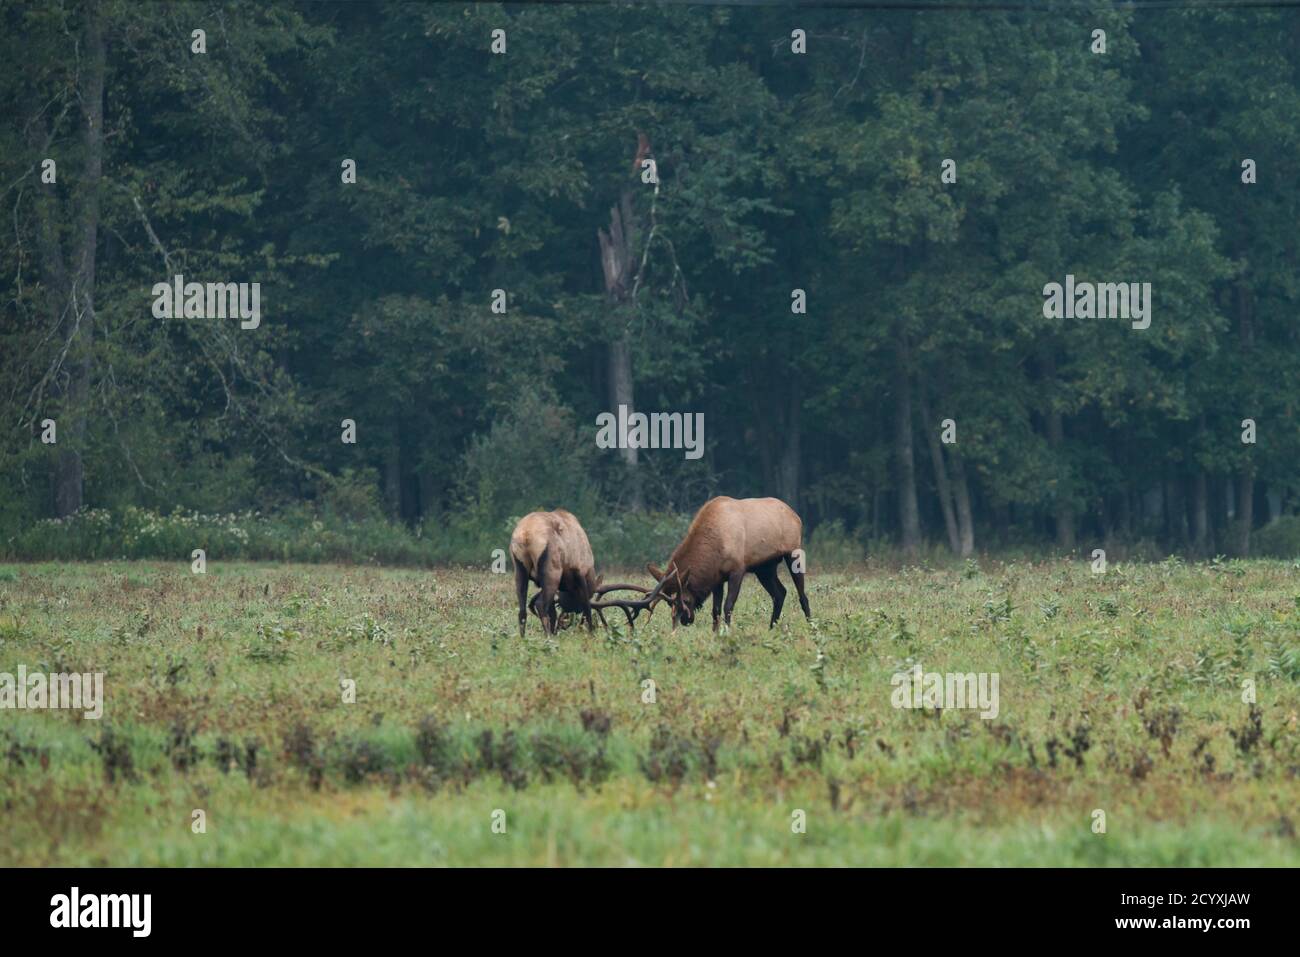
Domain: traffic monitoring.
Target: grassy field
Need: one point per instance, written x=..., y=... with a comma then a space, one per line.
x=1119, y=692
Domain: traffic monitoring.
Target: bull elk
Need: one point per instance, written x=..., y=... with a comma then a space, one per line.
x=551, y=550
x=727, y=538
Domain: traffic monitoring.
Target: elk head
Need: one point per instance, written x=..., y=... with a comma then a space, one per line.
x=682, y=598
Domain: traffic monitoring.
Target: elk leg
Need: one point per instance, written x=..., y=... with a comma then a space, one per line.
x=546, y=610
x=521, y=592
x=733, y=592
x=717, y=606
x=798, y=584
x=767, y=577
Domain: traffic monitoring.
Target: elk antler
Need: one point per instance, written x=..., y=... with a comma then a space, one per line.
x=633, y=607
x=608, y=588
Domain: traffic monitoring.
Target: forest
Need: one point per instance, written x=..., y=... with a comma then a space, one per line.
x=839, y=237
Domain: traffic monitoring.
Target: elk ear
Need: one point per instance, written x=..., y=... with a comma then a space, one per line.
x=681, y=582
x=655, y=573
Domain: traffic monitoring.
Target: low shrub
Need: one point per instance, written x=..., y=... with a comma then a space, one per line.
x=1279, y=539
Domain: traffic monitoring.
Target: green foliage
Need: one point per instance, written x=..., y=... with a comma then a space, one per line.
x=296, y=534
x=340, y=532
x=353, y=497
x=534, y=458
x=1279, y=539
x=775, y=172
x=833, y=546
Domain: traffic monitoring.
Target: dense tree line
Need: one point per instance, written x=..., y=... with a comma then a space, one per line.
x=810, y=161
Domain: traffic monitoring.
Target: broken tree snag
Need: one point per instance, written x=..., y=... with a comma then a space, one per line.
x=617, y=262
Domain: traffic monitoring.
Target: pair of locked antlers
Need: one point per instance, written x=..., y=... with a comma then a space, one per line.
x=632, y=607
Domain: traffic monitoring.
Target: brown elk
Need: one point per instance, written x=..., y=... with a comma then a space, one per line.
x=727, y=538
x=551, y=550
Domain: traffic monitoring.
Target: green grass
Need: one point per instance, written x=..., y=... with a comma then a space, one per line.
x=1119, y=692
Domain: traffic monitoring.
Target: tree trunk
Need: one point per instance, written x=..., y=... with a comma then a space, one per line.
x=621, y=392
x=1063, y=514
x=909, y=519
x=1245, y=511
x=1002, y=521
x=393, y=476
x=1175, y=513
x=789, y=473
x=1224, y=515
x=428, y=504
x=929, y=427
x=618, y=263
x=1246, y=477
x=1273, y=498
x=763, y=434
x=1201, y=511
x=77, y=301
x=961, y=497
